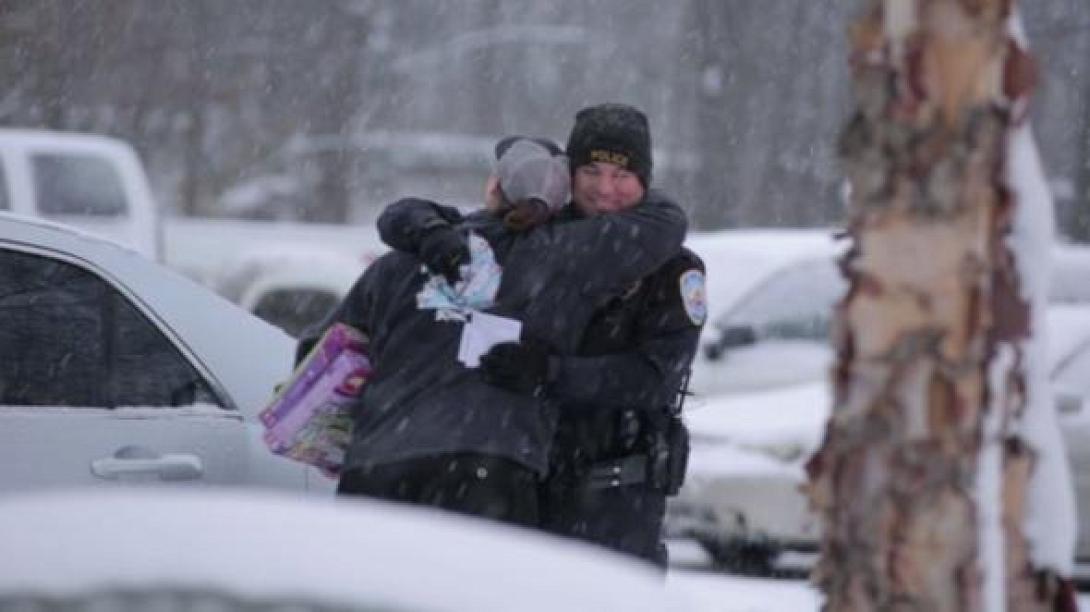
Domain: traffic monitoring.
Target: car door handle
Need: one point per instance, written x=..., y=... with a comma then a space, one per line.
x=172, y=466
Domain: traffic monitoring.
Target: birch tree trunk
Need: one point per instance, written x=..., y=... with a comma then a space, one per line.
x=921, y=480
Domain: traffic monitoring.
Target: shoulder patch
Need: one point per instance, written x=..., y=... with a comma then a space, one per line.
x=693, y=297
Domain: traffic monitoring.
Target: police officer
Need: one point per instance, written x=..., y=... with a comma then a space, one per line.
x=428, y=430
x=621, y=446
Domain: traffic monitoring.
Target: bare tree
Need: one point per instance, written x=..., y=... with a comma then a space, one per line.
x=336, y=101
x=922, y=478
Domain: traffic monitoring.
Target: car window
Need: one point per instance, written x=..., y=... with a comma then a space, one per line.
x=77, y=185
x=70, y=339
x=795, y=303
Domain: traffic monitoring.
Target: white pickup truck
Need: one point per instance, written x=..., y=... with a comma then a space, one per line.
x=92, y=182
x=288, y=273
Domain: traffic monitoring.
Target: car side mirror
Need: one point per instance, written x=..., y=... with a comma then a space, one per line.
x=731, y=337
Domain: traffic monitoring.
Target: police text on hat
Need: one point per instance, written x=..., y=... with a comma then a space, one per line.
x=612, y=133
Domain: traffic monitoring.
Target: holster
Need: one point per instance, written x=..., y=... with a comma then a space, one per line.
x=677, y=457
x=662, y=466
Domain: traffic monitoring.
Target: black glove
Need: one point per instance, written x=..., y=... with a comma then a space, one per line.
x=522, y=367
x=443, y=249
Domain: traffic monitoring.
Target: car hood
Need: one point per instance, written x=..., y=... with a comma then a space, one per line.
x=786, y=423
x=275, y=547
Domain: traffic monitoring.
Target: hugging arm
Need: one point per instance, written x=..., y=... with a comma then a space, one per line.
x=611, y=251
x=426, y=229
x=404, y=224
x=650, y=374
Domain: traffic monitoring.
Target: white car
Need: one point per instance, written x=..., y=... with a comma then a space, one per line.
x=761, y=401
x=1070, y=375
x=775, y=334
x=741, y=498
x=771, y=295
x=736, y=260
x=290, y=274
x=116, y=370
x=291, y=286
x=221, y=551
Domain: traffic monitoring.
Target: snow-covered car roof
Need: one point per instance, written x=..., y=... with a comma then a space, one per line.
x=195, y=315
x=197, y=246
x=738, y=260
x=331, y=554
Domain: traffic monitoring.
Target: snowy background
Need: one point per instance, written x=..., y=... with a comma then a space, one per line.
x=326, y=110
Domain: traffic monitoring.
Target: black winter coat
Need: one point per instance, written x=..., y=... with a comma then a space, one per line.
x=632, y=363
x=421, y=401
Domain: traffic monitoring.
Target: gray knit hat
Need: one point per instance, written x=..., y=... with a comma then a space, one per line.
x=528, y=169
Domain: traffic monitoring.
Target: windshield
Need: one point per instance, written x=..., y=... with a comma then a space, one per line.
x=795, y=303
x=78, y=185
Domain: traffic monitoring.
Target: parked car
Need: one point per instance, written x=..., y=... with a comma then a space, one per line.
x=775, y=331
x=741, y=498
x=761, y=400
x=292, y=286
x=225, y=551
x=1070, y=377
x=775, y=334
x=116, y=370
x=738, y=259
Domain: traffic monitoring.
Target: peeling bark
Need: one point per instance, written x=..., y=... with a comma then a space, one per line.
x=933, y=295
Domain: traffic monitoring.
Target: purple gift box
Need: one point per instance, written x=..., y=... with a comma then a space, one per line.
x=309, y=420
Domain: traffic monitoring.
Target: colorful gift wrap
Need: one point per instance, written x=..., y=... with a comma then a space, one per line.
x=310, y=418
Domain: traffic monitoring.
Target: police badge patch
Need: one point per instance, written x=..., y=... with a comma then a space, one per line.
x=693, y=296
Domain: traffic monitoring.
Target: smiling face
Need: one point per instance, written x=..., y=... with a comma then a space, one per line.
x=603, y=187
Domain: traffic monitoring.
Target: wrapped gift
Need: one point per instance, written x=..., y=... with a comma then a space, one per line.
x=476, y=291
x=310, y=418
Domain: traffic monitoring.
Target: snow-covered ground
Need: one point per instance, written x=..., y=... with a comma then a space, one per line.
x=711, y=592
x=708, y=590
x=692, y=576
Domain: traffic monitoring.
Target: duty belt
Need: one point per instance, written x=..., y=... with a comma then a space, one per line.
x=618, y=472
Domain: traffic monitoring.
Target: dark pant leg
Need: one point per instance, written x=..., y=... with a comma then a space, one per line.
x=390, y=481
x=480, y=485
x=488, y=487
x=626, y=519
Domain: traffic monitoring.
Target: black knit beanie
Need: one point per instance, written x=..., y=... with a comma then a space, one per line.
x=615, y=133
